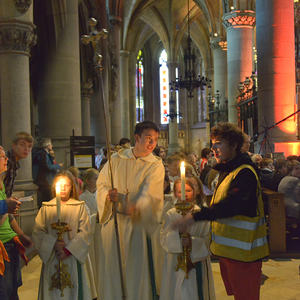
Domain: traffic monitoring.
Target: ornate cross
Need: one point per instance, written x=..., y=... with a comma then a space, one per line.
x=94, y=38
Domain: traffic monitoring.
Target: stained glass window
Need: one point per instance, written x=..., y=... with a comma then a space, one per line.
x=164, y=88
x=139, y=88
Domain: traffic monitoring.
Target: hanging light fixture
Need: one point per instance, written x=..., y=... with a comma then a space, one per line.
x=190, y=80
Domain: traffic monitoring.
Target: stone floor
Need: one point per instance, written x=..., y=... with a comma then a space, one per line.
x=282, y=280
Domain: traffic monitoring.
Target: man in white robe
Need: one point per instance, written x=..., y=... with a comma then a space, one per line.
x=138, y=178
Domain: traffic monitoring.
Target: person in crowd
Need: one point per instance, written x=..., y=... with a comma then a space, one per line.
x=98, y=157
x=247, y=143
x=125, y=143
x=103, y=160
x=173, y=163
x=45, y=170
x=266, y=172
x=192, y=160
x=238, y=228
x=205, y=154
x=79, y=183
x=138, y=178
x=281, y=170
x=89, y=197
x=12, y=244
x=199, y=284
x=72, y=250
x=290, y=187
x=21, y=148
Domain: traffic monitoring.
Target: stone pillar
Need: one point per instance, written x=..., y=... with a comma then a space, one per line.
x=276, y=74
x=124, y=92
x=16, y=39
x=86, y=94
x=239, y=27
x=115, y=101
x=173, y=126
x=59, y=97
x=219, y=48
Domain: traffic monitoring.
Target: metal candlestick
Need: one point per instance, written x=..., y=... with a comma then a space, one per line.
x=184, y=261
x=61, y=278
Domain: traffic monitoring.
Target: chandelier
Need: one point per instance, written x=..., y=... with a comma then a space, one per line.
x=190, y=81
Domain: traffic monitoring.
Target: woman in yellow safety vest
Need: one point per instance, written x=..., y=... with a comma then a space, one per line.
x=238, y=229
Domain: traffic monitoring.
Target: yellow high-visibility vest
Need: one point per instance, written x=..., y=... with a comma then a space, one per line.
x=240, y=237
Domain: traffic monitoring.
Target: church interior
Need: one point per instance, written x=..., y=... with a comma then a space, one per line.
x=96, y=68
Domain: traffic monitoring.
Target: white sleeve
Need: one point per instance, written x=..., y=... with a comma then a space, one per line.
x=79, y=245
x=43, y=241
x=170, y=239
x=103, y=186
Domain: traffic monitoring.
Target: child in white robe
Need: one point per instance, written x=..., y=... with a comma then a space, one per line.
x=72, y=251
x=199, y=285
x=95, y=251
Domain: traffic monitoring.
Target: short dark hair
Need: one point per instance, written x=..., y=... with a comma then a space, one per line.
x=229, y=132
x=140, y=127
x=124, y=141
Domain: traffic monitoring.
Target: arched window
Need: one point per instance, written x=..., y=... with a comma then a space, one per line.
x=164, y=87
x=139, y=88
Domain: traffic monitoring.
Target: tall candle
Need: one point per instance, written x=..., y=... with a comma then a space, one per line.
x=58, y=200
x=182, y=176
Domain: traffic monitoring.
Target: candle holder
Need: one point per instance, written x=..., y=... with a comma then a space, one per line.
x=61, y=278
x=184, y=261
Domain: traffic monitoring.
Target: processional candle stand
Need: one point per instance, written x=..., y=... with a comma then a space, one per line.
x=61, y=279
x=183, y=207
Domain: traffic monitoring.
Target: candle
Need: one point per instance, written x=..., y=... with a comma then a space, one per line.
x=182, y=176
x=58, y=200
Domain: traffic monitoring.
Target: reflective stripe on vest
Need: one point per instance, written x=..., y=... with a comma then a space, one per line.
x=242, y=224
x=239, y=244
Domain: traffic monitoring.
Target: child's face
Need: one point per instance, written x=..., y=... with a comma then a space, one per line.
x=189, y=192
x=65, y=187
x=91, y=184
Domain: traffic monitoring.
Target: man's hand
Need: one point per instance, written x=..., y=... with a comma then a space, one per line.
x=113, y=195
x=182, y=224
x=13, y=205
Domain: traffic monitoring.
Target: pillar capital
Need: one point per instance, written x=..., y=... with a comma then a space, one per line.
x=239, y=19
x=218, y=43
x=17, y=37
x=22, y=5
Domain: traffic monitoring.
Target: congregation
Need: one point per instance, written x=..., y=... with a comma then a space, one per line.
x=140, y=187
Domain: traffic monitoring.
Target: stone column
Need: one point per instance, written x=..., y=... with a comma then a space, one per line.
x=86, y=94
x=219, y=48
x=173, y=126
x=16, y=39
x=276, y=73
x=239, y=27
x=124, y=92
x=59, y=95
x=115, y=101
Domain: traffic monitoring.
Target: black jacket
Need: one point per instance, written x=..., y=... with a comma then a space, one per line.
x=241, y=199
